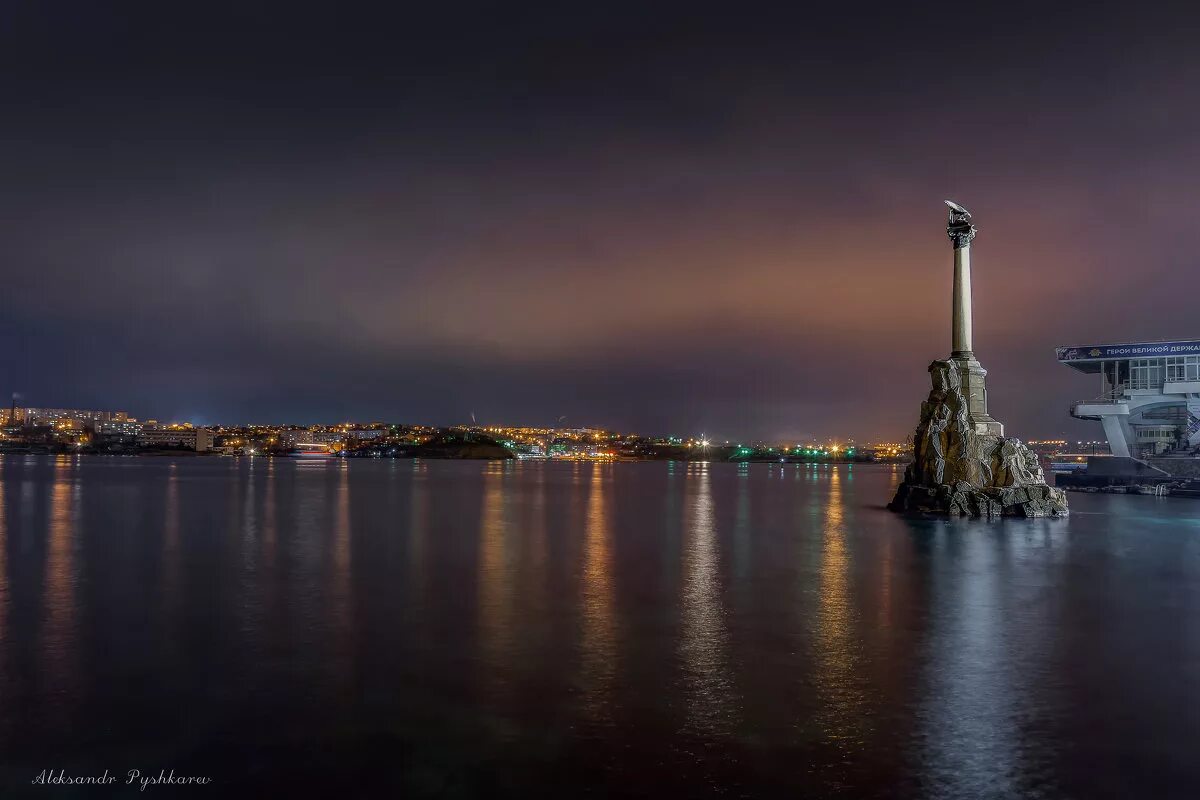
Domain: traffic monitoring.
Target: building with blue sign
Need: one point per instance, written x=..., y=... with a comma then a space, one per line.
x=1149, y=400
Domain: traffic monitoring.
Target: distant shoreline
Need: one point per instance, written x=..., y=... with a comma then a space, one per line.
x=192, y=454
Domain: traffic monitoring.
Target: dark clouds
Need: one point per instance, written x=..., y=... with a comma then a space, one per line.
x=674, y=218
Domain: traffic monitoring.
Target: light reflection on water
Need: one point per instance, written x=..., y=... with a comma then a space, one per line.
x=497, y=624
x=712, y=703
x=418, y=575
x=598, y=636
x=4, y=587
x=537, y=553
x=340, y=602
x=269, y=517
x=341, y=547
x=171, y=579
x=838, y=648
x=58, y=631
x=968, y=719
x=517, y=628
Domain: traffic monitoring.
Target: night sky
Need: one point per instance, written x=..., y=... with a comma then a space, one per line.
x=724, y=219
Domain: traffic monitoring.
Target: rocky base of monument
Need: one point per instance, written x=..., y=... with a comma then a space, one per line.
x=956, y=471
x=965, y=500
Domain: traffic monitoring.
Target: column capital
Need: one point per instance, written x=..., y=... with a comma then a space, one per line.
x=959, y=227
x=962, y=239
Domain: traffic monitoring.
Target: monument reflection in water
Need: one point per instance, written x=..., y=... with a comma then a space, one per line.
x=506, y=629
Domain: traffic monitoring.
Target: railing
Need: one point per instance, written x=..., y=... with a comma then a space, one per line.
x=1117, y=396
x=1108, y=398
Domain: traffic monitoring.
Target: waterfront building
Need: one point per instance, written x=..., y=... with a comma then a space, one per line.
x=198, y=439
x=365, y=434
x=1149, y=395
x=330, y=436
x=297, y=437
x=1046, y=448
x=126, y=427
x=884, y=451
x=52, y=416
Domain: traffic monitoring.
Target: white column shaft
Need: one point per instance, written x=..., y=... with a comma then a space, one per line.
x=961, y=322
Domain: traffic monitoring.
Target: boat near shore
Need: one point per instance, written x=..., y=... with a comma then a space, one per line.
x=310, y=451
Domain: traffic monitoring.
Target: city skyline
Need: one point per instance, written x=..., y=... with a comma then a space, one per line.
x=649, y=220
x=42, y=416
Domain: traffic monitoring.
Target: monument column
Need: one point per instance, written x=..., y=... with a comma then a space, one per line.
x=961, y=315
x=962, y=464
x=961, y=233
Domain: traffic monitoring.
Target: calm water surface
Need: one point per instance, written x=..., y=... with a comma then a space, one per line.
x=375, y=628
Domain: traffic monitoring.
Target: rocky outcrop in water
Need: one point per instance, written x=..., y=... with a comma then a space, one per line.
x=960, y=472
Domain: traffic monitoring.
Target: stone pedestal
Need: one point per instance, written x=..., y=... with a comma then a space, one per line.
x=972, y=375
x=961, y=468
